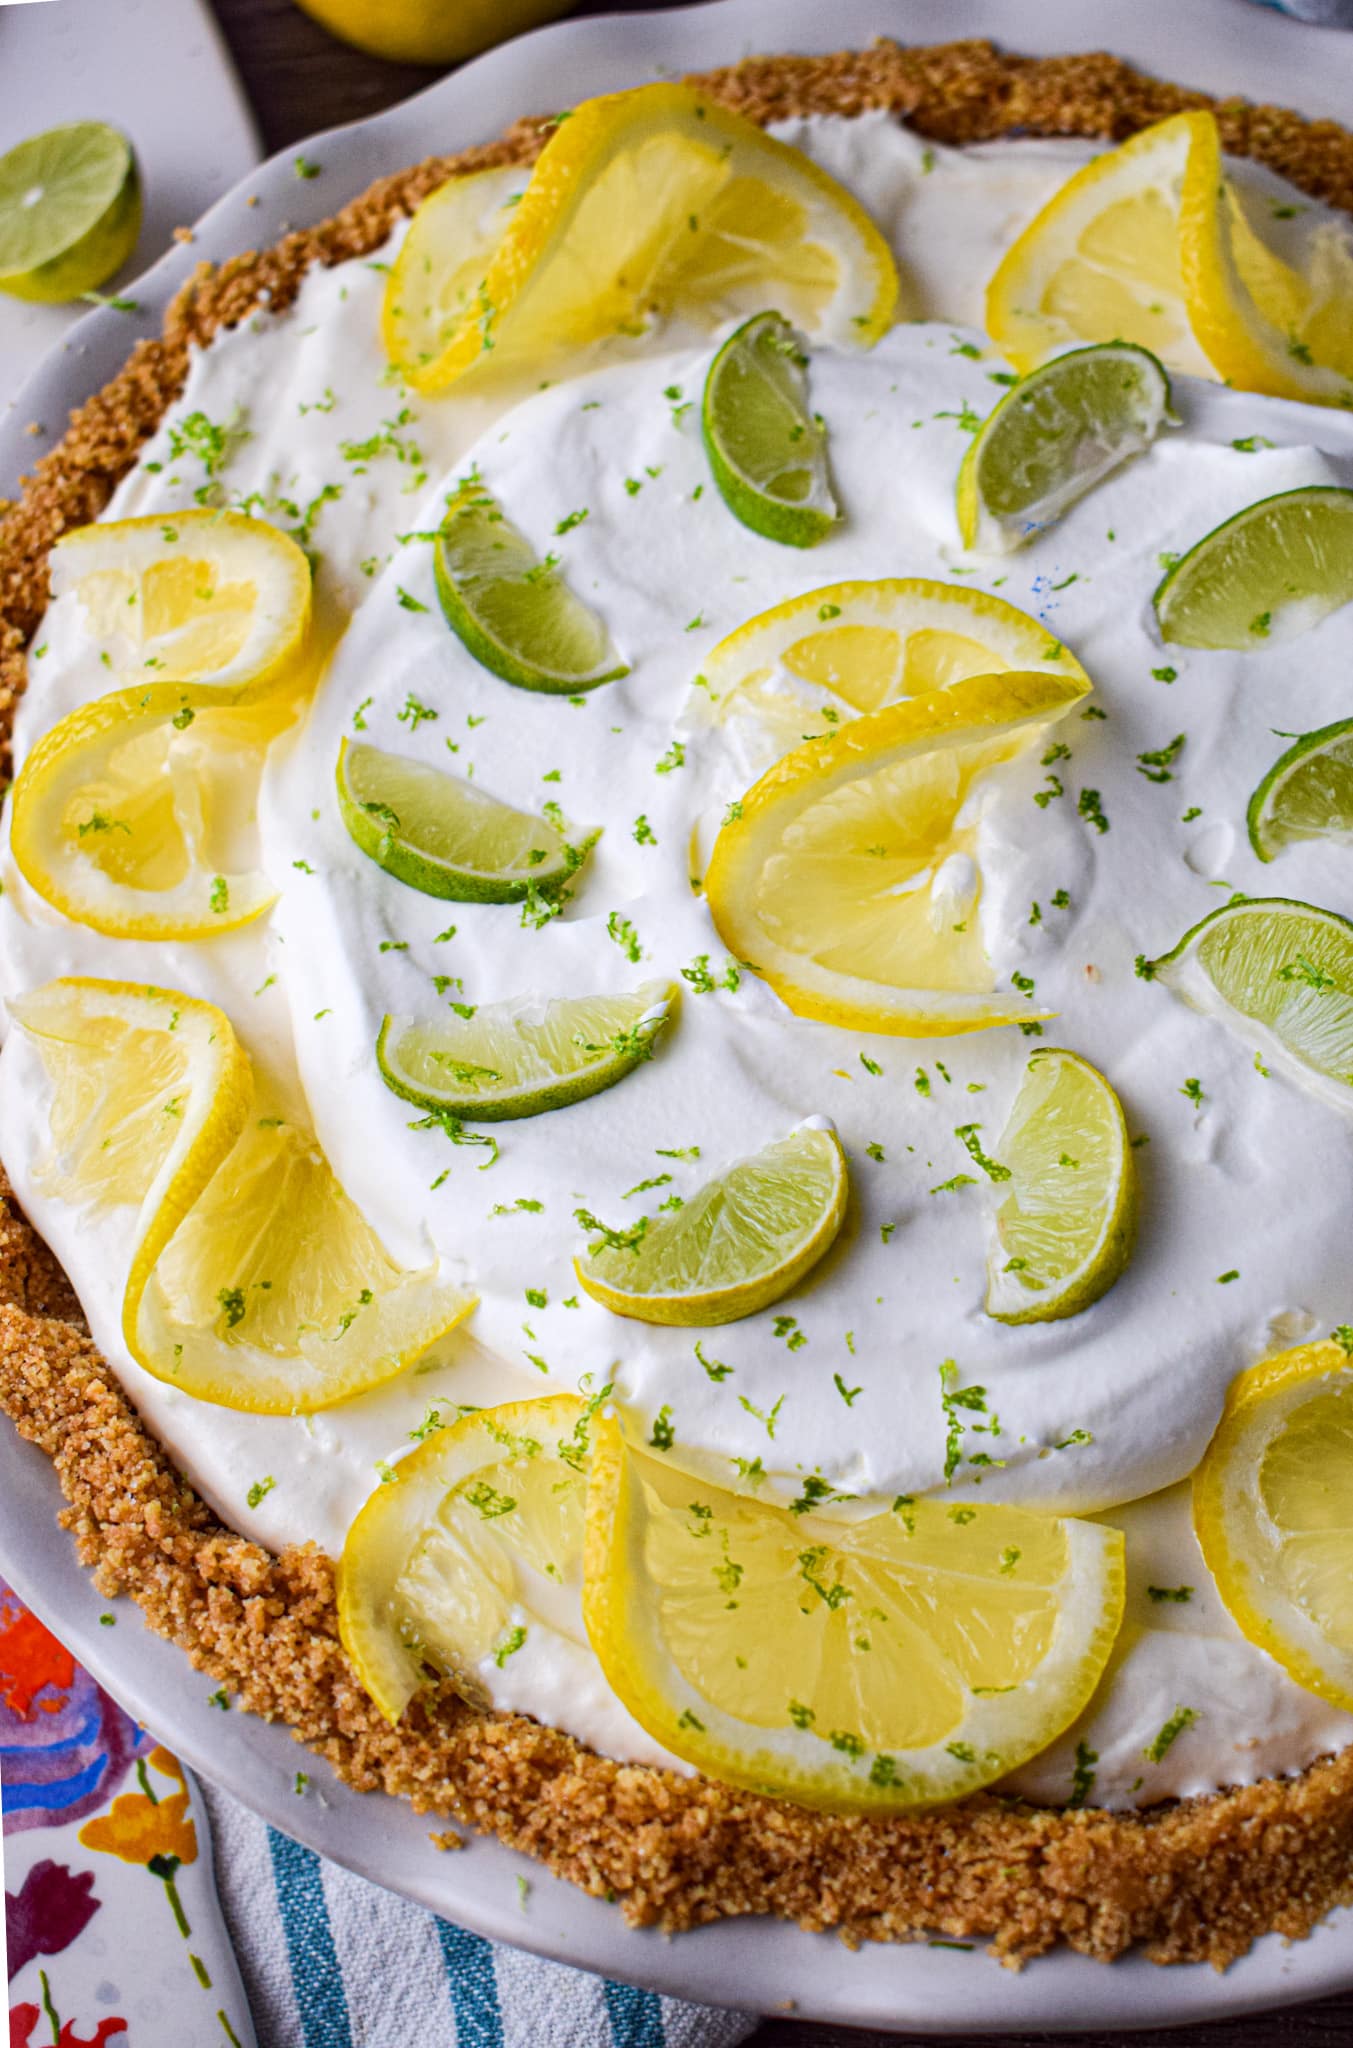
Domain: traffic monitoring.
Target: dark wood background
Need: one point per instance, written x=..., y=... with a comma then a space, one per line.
x=300, y=79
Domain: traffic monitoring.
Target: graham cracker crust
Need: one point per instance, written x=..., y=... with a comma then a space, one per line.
x=1198, y=1880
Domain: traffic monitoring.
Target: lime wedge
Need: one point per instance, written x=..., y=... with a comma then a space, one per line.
x=1274, y=570
x=1281, y=973
x=766, y=449
x=1055, y=435
x=70, y=211
x=522, y=1057
x=515, y=613
x=734, y=1247
x=1307, y=793
x=445, y=836
x=1067, y=1216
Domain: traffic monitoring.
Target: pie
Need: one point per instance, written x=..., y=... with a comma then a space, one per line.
x=674, y=1178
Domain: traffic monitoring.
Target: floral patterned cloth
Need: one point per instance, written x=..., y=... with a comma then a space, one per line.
x=114, y=1932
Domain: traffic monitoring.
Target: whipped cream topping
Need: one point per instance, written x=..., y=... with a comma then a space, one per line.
x=1086, y=860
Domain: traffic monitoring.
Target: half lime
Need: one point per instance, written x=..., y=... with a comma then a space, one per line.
x=70, y=211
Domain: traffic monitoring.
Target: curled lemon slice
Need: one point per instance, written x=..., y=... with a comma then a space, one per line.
x=1267, y=323
x=128, y=815
x=473, y=1547
x=433, y=286
x=1273, y=1508
x=659, y=201
x=1101, y=262
x=847, y=648
x=738, y=1244
x=847, y=878
x=211, y=598
x=254, y=1282
x=897, y=1660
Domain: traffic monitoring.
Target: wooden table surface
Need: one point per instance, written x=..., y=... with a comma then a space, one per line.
x=300, y=79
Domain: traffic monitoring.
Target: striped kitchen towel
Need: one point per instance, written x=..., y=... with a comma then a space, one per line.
x=330, y=1961
x=1328, y=13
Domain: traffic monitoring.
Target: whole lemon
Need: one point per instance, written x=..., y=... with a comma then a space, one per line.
x=430, y=31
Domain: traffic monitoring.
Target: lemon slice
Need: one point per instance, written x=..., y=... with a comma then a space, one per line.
x=1266, y=324
x=446, y=836
x=898, y=1660
x=1067, y=1213
x=126, y=814
x=1057, y=434
x=513, y=612
x=523, y=1057
x=656, y=202
x=150, y=1089
x=1101, y=261
x=766, y=448
x=1281, y=974
x=846, y=877
x=1273, y=571
x=254, y=1282
x=1307, y=793
x=70, y=211
x=1273, y=1509
x=473, y=1546
x=806, y=665
x=737, y=1245
x=211, y=598
x=434, y=281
